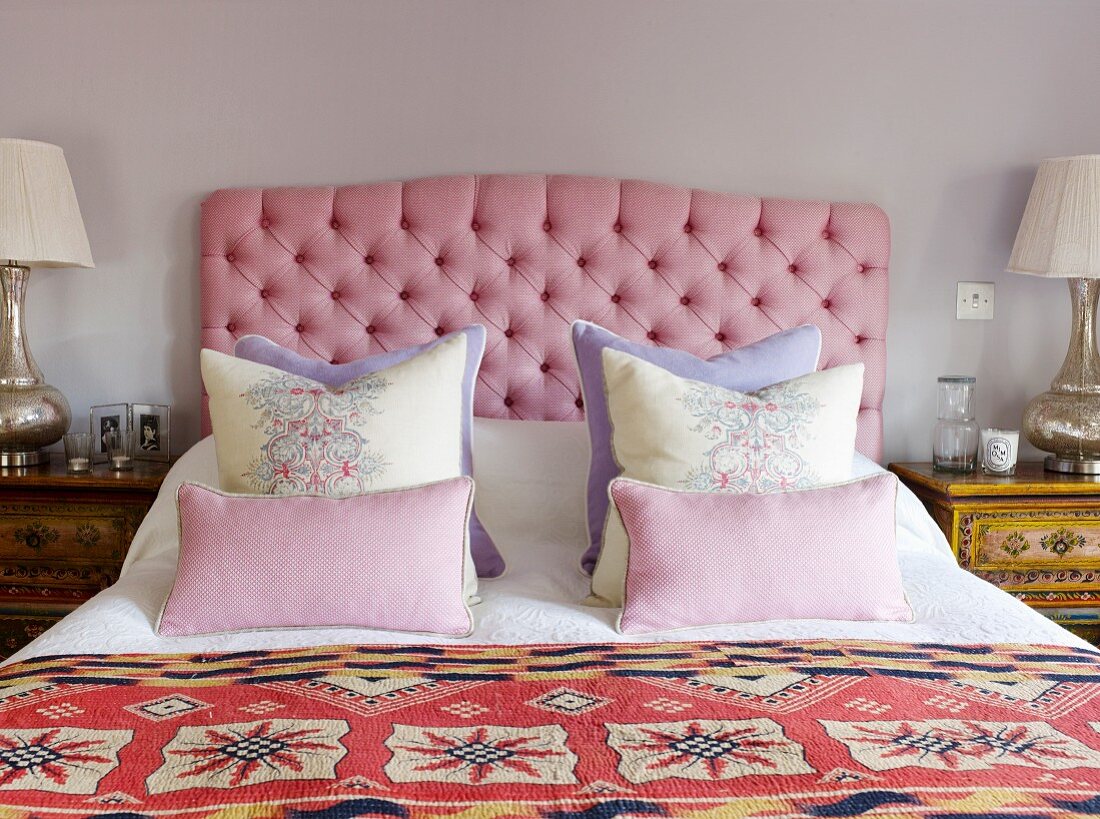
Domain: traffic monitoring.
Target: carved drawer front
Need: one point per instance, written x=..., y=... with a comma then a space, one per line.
x=1046, y=553
x=64, y=545
x=56, y=531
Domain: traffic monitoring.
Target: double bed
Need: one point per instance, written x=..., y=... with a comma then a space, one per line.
x=979, y=706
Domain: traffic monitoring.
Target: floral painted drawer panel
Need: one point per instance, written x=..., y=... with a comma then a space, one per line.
x=1032, y=539
x=1032, y=550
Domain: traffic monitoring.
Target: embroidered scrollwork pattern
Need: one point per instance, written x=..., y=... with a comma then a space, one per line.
x=314, y=445
x=756, y=440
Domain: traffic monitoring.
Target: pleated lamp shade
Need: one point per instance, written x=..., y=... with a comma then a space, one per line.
x=40, y=224
x=1059, y=235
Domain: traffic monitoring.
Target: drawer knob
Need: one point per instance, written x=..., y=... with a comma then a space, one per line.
x=36, y=535
x=1062, y=541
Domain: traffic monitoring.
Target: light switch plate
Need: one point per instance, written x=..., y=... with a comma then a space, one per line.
x=974, y=301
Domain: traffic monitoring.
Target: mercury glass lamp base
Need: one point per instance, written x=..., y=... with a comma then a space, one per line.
x=33, y=414
x=29, y=457
x=1065, y=420
x=1072, y=464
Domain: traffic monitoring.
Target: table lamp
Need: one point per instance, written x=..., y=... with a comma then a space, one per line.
x=40, y=225
x=1059, y=237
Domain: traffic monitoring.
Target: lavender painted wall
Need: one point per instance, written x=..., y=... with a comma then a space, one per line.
x=938, y=110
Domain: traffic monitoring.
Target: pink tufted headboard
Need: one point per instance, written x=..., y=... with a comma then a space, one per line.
x=340, y=273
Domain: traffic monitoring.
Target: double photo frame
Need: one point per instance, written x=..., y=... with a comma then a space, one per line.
x=151, y=422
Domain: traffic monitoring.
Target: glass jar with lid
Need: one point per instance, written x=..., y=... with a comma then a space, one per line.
x=956, y=436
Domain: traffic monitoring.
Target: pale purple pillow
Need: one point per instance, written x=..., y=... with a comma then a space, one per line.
x=392, y=560
x=779, y=357
x=712, y=558
x=264, y=351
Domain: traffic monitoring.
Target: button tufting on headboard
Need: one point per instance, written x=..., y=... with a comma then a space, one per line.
x=368, y=268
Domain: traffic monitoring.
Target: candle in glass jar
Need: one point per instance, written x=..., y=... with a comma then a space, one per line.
x=121, y=462
x=999, y=451
x=78, y=451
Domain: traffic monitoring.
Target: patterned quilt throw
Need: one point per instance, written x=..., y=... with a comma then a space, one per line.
x=777, y=729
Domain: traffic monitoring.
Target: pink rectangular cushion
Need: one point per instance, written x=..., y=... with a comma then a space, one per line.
x=712, y=558
x=390, y=560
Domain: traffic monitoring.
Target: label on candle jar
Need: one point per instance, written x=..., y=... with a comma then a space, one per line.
x=997, y=451
x=999, y=447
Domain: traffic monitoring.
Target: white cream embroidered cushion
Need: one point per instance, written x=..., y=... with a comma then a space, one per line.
x=281, y=434
x=684, y=434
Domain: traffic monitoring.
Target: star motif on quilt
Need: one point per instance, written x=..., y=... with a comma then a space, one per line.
x=313, y=444
x=757, y=438
x=567, y=701
x=61, y=759
x=705, y=749
x=960, y=745
x=248, y=753
x=481, y=755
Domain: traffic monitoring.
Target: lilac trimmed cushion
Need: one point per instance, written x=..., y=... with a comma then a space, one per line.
x=713, y=558
x=776, y=358
x=391, y=560
x=264, y=351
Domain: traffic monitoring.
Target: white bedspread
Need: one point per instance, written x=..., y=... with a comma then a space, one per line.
x=530, y=494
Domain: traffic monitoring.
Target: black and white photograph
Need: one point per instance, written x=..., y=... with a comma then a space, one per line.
x=152, y=424
x=103, y=420
x=108, y=426
x=149, y=427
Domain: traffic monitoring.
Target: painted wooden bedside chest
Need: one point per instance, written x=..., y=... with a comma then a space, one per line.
x=1036, y=535
x=63, y=538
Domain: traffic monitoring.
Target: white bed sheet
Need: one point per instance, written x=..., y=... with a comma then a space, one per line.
x=530, y=492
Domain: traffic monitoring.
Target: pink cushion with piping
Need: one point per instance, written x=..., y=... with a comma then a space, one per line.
x=390, y=560
x=700, y=558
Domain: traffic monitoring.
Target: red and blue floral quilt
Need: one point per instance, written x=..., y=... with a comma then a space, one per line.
x=783, y=728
